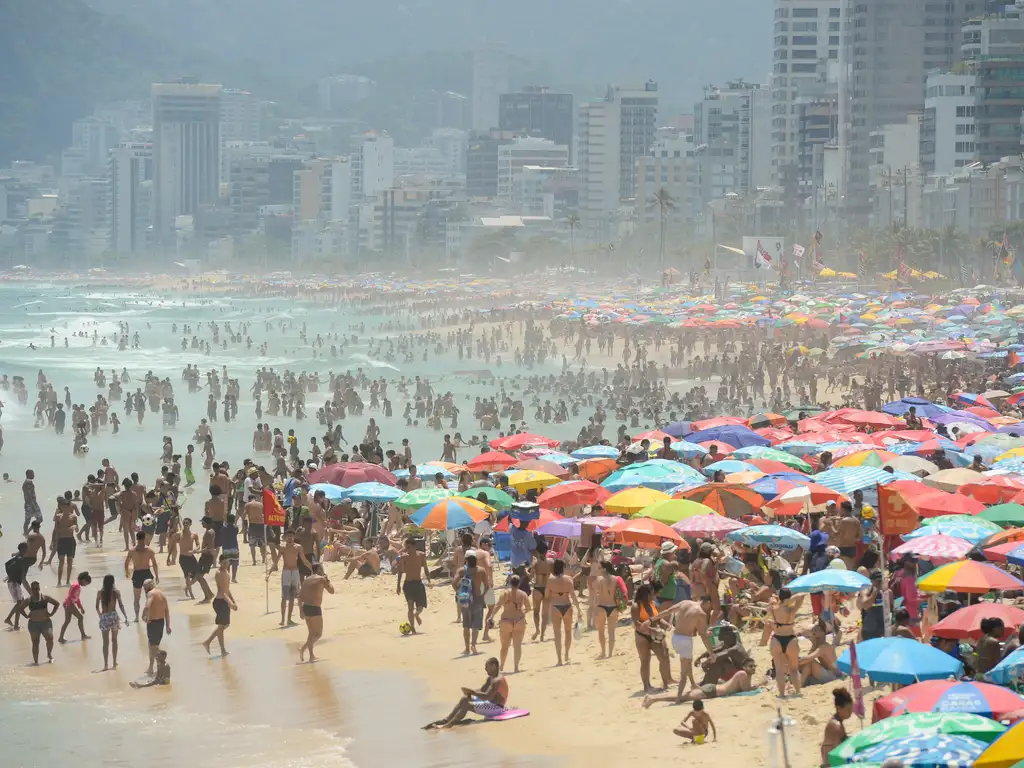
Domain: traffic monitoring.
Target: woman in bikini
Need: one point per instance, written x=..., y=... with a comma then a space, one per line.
x=540, y=572
x=38, y=609
x=108, y=600
x=606, y=612
x=514, y=605
x=784, y=645
x=561, y=597
x=649, y=635
x=835, y=731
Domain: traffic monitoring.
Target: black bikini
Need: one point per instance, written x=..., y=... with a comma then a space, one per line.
x=563, y=609
x=609, y=608
x=784, y=640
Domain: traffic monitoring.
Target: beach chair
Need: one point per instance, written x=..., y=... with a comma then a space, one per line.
x=557, y=546
x=503, y=546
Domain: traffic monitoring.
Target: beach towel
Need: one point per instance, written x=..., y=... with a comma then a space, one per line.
x=511, y=714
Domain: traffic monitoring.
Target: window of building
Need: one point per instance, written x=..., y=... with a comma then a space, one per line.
x=805, y=67
x=965, y=146
x=805, y=13
x=805, y=54
x=834, y=26
x=965, y=111
x=964, y=129
x=833, y=40
x=833, y=54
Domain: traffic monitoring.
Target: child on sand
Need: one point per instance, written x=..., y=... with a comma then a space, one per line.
x=163, y=672
x=697, y=732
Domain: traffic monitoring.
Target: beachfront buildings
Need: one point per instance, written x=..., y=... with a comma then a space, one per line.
x=536, y=111
x=131, y=197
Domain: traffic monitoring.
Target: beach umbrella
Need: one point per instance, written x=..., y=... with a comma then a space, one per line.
x=704, y=526
x=655, y=436
x=596, y=452
x=775, y=434
x=993, y=490
x=744, y=478
x=546, y=516
x=869, y=419
x=645, y=532
x=523, y=439
x=430, y=469
x=669, y=511
x=773, y=536
x=333, y=492
x=632, y=500
x=872, y=457
x=377, y=493
x=448, y=514
x=932, y=503
x=927, y=751
x=968, y=576
x=351, y=473
x=421, y=497
x=766, y=419
x=572, y=527
x=689, y=450
x=729, y=499
x=915, y=724
x=496, y=497
x=678, y=429
x=1002, y=537
x=1006, y=751
x=735, y=435
x=981, y=699
x=900, y=660
x=729, y=466
x=572, y=494
x=772, y=454
x=846, y=480
x=967, y=398
x=938, y=548
x=540, y=465
x=1004, y=514
x=965, y=623
x=925, y=409
x=524, y=480
x=913, y=465
x=597, y=470
x=1009, y=670
x=958, y=526
x=492, y=461
x=951, y=479
x=830, y=579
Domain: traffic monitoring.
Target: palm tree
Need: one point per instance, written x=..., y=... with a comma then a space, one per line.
x=572, y=221
x=665, y=202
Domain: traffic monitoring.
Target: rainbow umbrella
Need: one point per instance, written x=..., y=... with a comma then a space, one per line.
x=421, y=497
x=703, y=526
x=1004, y=752
x=968, y=576
x=449, y=514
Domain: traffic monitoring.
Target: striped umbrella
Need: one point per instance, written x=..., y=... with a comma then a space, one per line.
x=703, y=526
x=375, y=492
x=968, y=576
x=421, y=497
x=846, y=480
x=448, y=515
x=857, y=457
x=731, y=500
x=939, y=548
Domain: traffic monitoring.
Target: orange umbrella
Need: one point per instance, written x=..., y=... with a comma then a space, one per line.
x=774, y=419
x=597, y=470
x=724, y=449
x=546, y=516
x=645, y=532
x=574, y=493
x=744, y=477
x=730, y=499
x=655, y=436
x=993, y=490
x=492, y=461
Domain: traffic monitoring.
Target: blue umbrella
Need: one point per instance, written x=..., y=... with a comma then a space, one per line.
x=735, y=435
x=829, y=579
x=729, y=466
x=936, y=750
x=427, y=470
x=596, y=452
x=678, y=429
x=774, y=536
x=1008, y=670
x=924, y=408
x=962, y=529
x=376, y=492
x=849, y=479
x=331, y=491
x=689, y=450
x=657, y=482
x=901, y=660
x=802, y=448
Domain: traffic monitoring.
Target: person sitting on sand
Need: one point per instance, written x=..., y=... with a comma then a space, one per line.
x=698, y=731
x=367, y=564
x=489, y=701
x=162, y=676
x=818, y=667
x=740, y=682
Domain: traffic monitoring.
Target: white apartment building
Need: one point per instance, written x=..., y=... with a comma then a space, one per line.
x=668, y=165
x=947, y=126
x=373, y=164
x=539, y=187
x=728, y=130
x=426, y=162
x=241, y=116
x=526, y=151
x=805, y=64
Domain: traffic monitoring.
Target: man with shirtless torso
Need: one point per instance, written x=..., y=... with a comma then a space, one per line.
x=848, y=536
x=207, y=556
x=253, y=513
x=157, y=616
x=223, y=604
x=140, y=565
x=311, y=595
x=36, y=550
x=412, y=564
x=216, y=509
x=128, y=506
x=187, y=543
x=65, y=523
x=689, y=620
x=291, y=556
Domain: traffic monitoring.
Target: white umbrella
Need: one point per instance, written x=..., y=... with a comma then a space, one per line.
x=965, y=427
x=952, y=355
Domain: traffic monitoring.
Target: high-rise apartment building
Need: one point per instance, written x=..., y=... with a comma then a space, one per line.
x=728, y=132
x=947, y=126
x=889, y=47
x=613, y=134
x=808, y=36
x=186, y=151
x=131, y=196
x=526, y=151
x=536, y=111
x=241, y=117
x=95, y=137
x=490, y=80
x=373, y=164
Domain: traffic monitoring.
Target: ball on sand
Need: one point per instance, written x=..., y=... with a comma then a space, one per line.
x=405, y=628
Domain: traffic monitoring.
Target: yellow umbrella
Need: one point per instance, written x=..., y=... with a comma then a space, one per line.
x=1013, y=453
x=632, y=500
x=1006, y=751
x=524, y=480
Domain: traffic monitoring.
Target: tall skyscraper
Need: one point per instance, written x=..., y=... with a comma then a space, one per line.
x=537, y=112
x=131, y=174
x=490, y=80
x=186, y=151
x=613, y=134
x=889, y=47
x=241, y=118
x=727, y=139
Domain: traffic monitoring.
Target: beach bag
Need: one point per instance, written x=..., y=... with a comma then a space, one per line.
x=464, y=592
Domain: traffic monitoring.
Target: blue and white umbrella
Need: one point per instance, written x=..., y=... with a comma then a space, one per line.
x=331, y=491
x=830, y=579
x=728, y=466
x=962, y=529
x=375, y=492
x=936, y=750
x=596, y=452
x=656, y=482
x=846, y=480
x=1009, y=670
x=774, y=536
x=426, y=470
x=803, y=448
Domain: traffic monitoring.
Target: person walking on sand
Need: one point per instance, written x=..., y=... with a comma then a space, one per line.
x=223, y=604
x=36, y=609
x=140, y=566
x=560, y=591
x=540, y=572
x=689, y=621
x=157, y=616
x=73, y=608
x=311, y=595
x=413, y=565
x=108, y=600
x=514, y=605
x=187, y=543
x=470, y=584
x=606, y=615
x=33, y=513
x=291, y=556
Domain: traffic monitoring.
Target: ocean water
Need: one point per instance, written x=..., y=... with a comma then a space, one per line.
x=259, y=709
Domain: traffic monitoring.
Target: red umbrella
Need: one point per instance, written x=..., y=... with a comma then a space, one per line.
x=718, y=421
x=890, y=436
x=574, y=493
x=492, y=461
x=655, y=436
x=966, y=622
x=941, y=503
x=870, y=419
x=724, y=449
x=350, y=473
x=774, y=434
x=546, y=516
x=995, y=489
x=515, y=442
x=770, y=466
x=645, y=532
x=983, y=699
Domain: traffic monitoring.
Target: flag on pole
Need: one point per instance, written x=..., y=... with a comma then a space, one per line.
x=273, y=512
x=762, y=259
x=965, y=273
x=904, y=271
x=798, y=252
x=862, y=265
x=858, y=688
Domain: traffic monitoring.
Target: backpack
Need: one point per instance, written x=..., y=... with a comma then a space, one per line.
x=464, y=592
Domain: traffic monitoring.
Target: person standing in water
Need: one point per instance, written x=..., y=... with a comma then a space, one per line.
x=108, y=600
x=73, y=608
x=311, y=595
x=157, y=616
x=223, y=604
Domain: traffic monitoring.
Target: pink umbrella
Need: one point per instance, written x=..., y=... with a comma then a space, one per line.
x=858, y=689
x=701, y=526
x=939, y=548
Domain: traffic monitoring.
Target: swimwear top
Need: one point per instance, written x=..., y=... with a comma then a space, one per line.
x=74, y=596
x=645, y=614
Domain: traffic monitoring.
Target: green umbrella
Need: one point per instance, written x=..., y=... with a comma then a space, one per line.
x=1003, y=514
x=972, y=519
x=774, y=454
x=421, y=497
x=916, y=724
x=670, y=511
x=496, y=497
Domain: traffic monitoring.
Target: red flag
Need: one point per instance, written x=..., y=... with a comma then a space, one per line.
x=273, y=512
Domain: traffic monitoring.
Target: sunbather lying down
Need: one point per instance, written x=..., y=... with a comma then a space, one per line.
x=741, y=682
